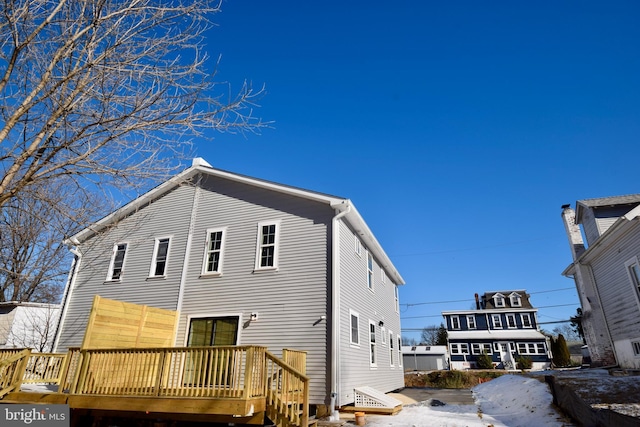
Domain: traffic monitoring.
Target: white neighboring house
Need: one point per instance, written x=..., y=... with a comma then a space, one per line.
x=28, y=325
x=425, y=357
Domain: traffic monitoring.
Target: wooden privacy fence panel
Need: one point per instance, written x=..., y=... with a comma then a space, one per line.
x=171, y=372
x=118, y=324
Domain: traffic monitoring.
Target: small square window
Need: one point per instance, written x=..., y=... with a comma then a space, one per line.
x=636, y=348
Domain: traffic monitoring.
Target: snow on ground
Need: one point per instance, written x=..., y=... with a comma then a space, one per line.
x=507, y=401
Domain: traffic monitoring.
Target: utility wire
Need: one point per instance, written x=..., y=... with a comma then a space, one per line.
x=470, y=300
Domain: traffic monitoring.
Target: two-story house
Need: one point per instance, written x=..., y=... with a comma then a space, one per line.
x=250, y=262
x=606, y=272
x=504, y=325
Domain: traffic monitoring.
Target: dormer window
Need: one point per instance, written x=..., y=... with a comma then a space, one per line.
x=516, y=301
x=498, y=300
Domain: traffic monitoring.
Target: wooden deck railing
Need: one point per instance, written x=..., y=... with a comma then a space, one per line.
x=239, y=372
x=171, y=372
x=12, y=369
x=287, y=393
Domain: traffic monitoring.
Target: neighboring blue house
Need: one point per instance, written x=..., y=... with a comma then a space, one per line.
x=504, y=324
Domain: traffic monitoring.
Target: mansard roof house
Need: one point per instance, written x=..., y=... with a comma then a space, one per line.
x=504, y=324
x=250, y=262
x=607, y=276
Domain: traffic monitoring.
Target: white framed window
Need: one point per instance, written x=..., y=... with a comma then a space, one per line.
x=636, y=348
x=369, y=271
x=496, y=320
x=479, y=348
x=531, y=348
x=471, y=322
x=214, y=249
x=515, y=300
x=267, y=247
x=459, y=348
x=391, y=349
x=399, y=350
x=526, y=320
x=355, y=328
x=455, y=322
x=372, y=344
x=160, y=257
x=396, y=294
x=357, y=246
x=116, y=266
x=511, y=321
x=633, y=270
x=496, y=347
x=383, y=276
x=383, y=334
x=498, y=300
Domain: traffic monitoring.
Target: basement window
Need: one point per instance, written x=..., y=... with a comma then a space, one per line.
x=636, y=348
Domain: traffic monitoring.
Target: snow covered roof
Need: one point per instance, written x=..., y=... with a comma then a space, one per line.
x=504, y=334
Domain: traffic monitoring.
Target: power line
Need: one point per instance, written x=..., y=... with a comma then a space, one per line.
x=544, y=306
x=471, y=300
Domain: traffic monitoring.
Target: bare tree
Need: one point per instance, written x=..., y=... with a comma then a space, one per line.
x=33, y=260
x=107, y=93
x=96, y=97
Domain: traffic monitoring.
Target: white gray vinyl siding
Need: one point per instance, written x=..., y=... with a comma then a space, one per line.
x=167, y=216
x=377, y=305
x=289, y=301
x=619, y=301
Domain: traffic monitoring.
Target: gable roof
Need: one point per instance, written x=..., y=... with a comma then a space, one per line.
x=581, y=205
x=199, y=166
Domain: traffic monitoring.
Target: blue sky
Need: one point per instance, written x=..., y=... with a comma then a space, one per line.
x=457, y=128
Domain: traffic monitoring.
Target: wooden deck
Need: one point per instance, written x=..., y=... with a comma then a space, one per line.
x=238, y=384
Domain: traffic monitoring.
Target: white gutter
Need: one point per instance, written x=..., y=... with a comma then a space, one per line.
x=344, y=207
x=71, y=280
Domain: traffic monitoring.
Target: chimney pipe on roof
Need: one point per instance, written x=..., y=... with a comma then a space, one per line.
x=477, y=302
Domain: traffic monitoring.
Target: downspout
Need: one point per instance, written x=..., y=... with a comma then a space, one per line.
x=335, y=307
x=185, y=264
x=71, y=280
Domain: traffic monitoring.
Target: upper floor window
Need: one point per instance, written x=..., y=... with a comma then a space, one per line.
x=511, y=321
x=358, y=245
x=396, y=293
x=116, y=265
x=355, y=331
x=526, y=320
x=160, y=255
x=213, y=252
x=633, y=269
x=267, y=248
x=455, y=322
x=496, y=319
x=515, y=300
x=369, y=271
x=471, y=322
x=383, y=276
x=498, y=300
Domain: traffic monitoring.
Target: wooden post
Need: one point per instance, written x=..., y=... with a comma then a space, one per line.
x=248, y=373
x=159, y=377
